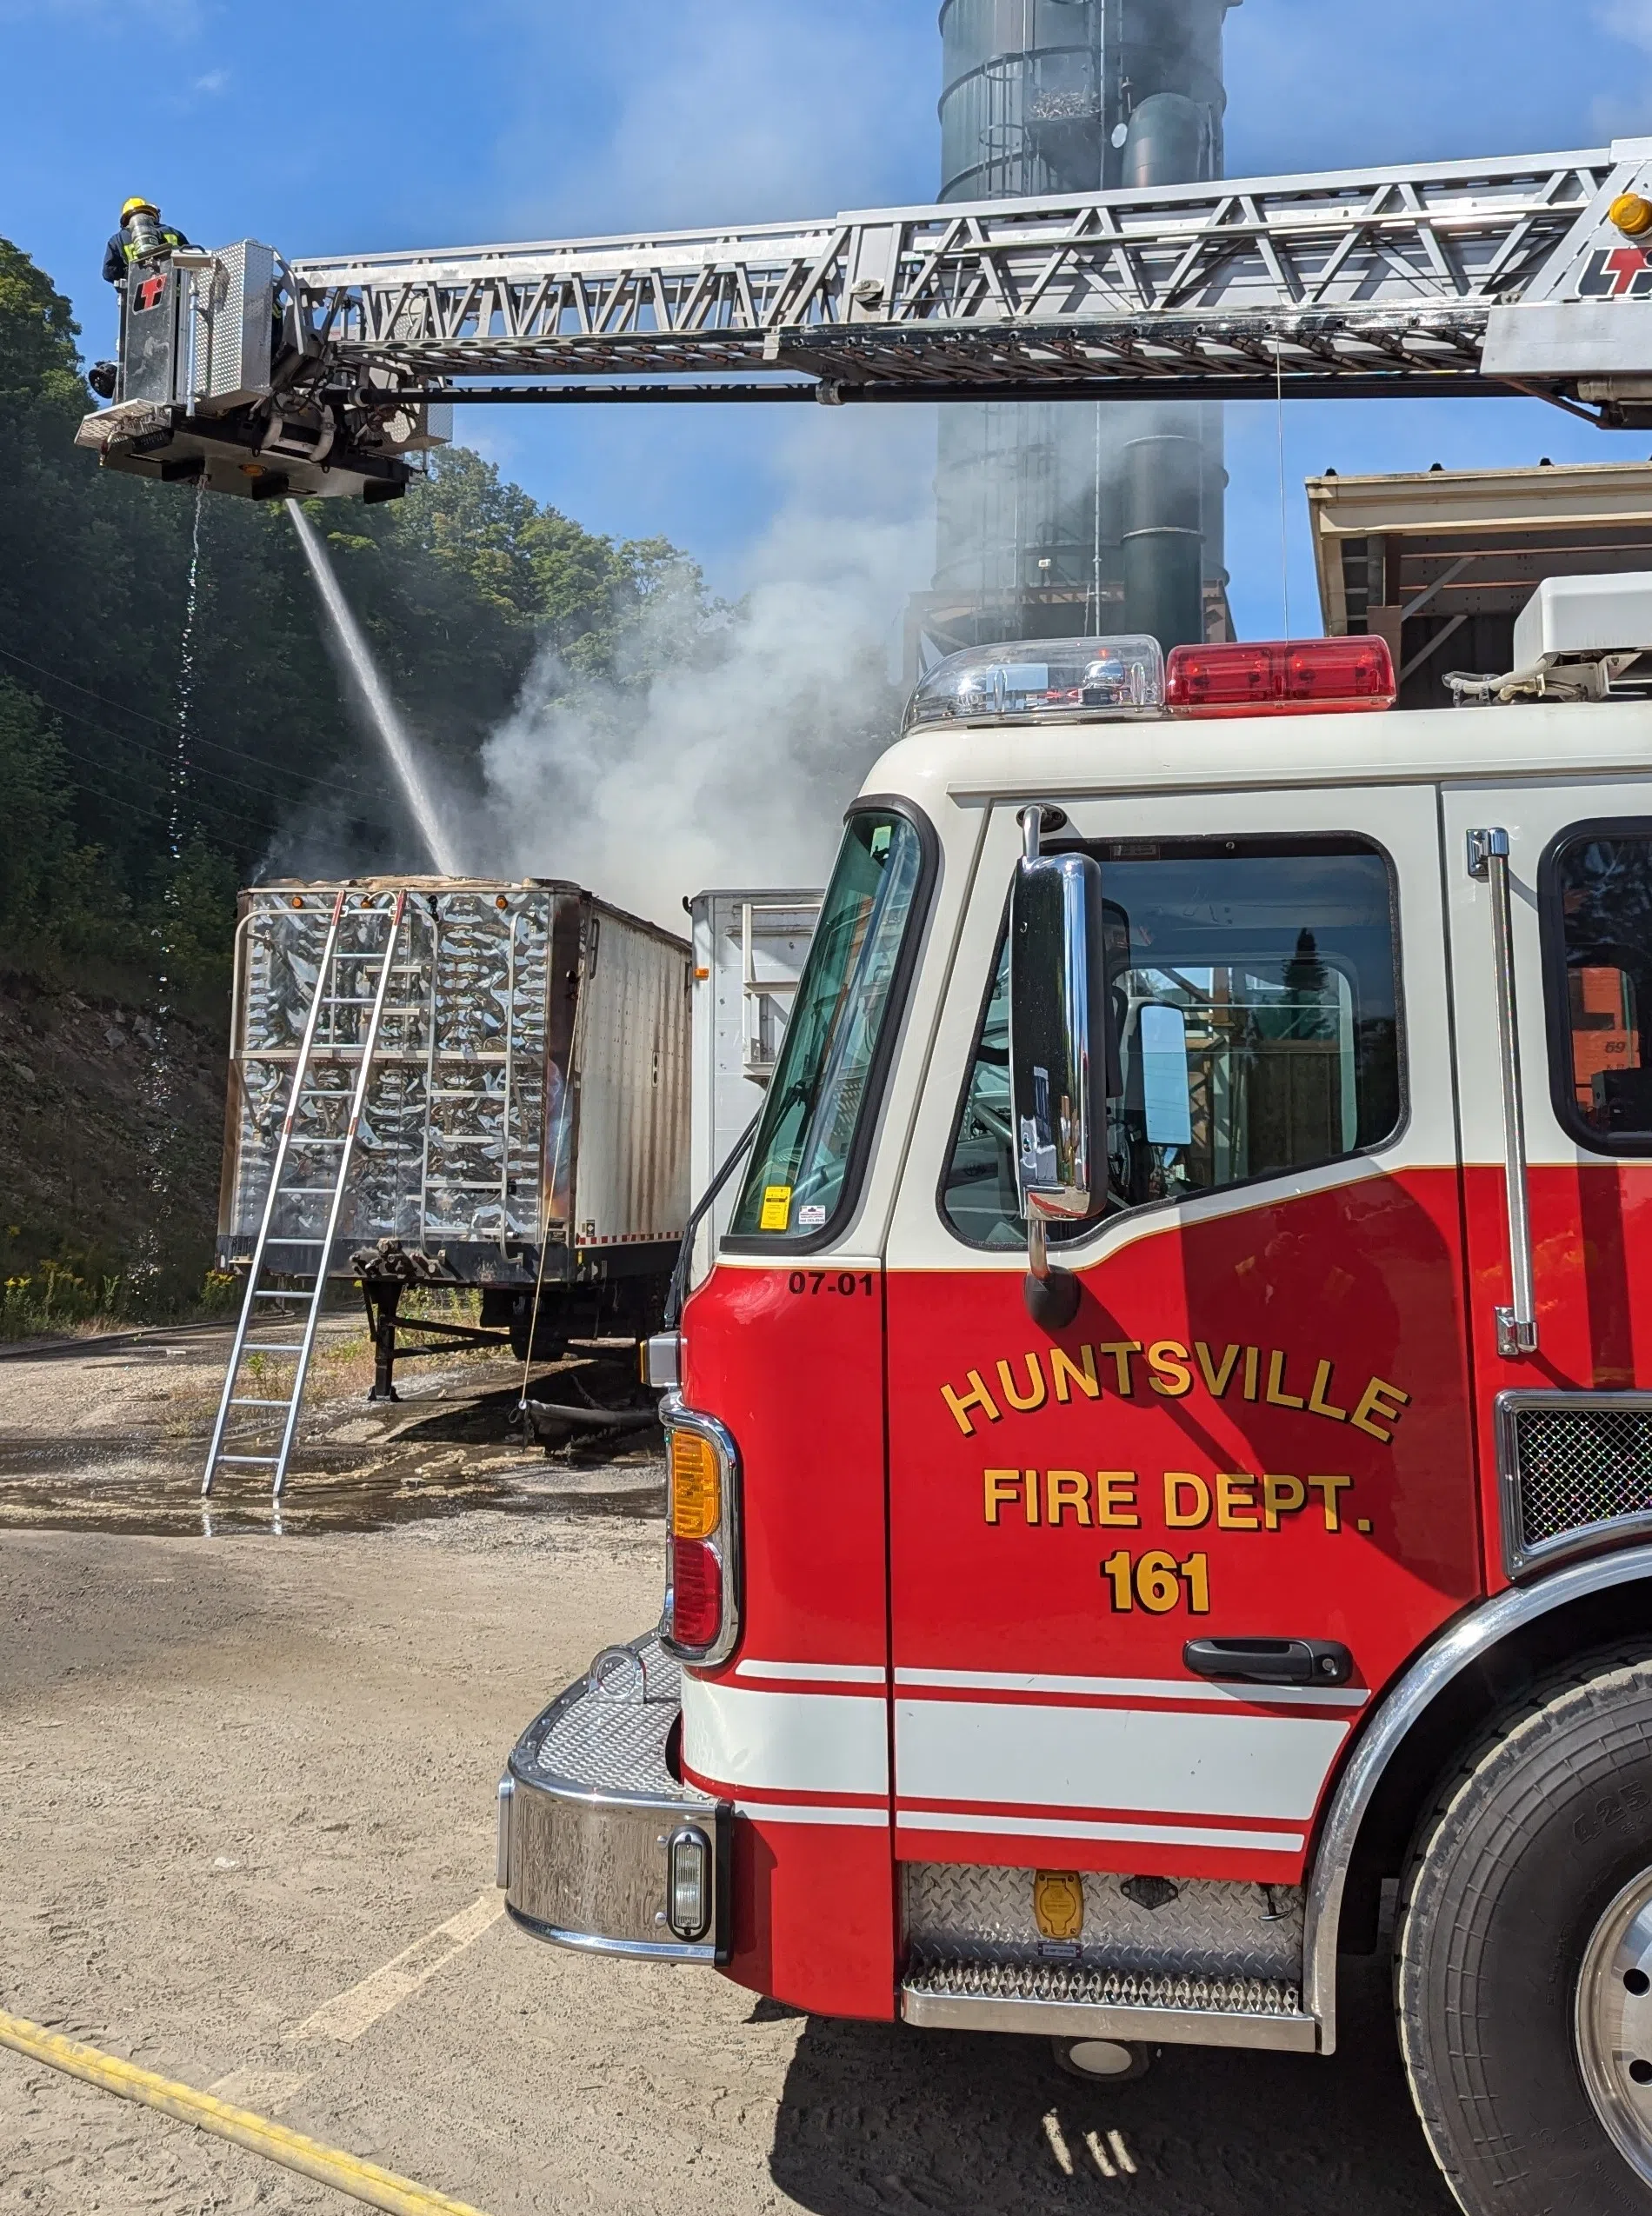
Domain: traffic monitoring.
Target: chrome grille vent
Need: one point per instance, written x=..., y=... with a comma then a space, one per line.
x=1572, y=1462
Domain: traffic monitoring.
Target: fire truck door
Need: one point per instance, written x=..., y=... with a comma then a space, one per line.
x=1559, y=1298
x=1255, y=1428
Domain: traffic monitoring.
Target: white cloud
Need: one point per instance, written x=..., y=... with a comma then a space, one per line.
x=1626, y=110
x=1631, y=20
x=215, y=81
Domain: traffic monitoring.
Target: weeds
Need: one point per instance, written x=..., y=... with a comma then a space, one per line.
x=54, y=1297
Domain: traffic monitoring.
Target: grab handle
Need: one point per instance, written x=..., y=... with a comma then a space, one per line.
x=1517, y=1326
x=1270, y=1661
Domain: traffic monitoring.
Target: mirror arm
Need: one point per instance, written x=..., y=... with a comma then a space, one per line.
x=1037, y=1247
x=1052, y=1295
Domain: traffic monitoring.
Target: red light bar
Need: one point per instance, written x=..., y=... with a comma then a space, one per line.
x=1282, y=677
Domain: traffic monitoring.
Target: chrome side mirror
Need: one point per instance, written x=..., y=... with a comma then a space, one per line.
x=1057, y=1056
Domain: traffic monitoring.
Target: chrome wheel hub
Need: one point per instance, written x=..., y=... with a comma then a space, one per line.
x=1614, y=2023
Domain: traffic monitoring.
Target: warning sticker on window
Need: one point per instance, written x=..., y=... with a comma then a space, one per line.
x=776, y=1208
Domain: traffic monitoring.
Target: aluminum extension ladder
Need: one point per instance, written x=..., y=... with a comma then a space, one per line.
x=310, y=1129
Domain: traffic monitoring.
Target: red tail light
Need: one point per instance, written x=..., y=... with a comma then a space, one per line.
x=696, y=1593
x=1282, y=677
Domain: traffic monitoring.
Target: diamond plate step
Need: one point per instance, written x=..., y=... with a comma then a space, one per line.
x=1071, y=2001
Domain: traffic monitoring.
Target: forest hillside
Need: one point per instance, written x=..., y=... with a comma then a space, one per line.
x=172, y=726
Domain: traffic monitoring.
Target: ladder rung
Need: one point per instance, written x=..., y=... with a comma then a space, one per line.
x=277, y=1239
x=300, y=1294
x=260, y=1404
x=261, y=1461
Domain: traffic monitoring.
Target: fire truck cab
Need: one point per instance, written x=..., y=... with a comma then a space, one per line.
x=1160, y=1465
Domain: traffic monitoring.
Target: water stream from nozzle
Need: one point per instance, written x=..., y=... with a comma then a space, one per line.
x=387, y=722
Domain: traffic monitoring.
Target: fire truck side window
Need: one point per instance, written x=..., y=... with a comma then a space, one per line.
x=1599, y=892
x=1255, y=1006
x=814, y=1119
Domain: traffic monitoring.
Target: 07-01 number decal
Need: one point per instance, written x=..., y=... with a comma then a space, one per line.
x=846, y=1282
x=1158, y=1582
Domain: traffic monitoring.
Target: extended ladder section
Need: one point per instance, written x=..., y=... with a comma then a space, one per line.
x=1433, y=276
x=257, y=1419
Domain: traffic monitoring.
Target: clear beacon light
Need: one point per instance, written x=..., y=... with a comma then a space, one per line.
x=1042, y=678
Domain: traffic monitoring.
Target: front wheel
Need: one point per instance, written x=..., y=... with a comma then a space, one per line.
x=1523, y=1980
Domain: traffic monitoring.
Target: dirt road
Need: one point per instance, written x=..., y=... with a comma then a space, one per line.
x=240, y=1775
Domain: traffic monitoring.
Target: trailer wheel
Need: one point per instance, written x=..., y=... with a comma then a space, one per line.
x=1524, y=1970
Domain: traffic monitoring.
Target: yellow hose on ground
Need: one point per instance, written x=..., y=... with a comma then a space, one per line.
x=344, y=2173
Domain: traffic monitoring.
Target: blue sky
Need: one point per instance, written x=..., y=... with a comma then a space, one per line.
x=347, y=126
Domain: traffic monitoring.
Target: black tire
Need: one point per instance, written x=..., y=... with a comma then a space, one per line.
x=1532, y=1839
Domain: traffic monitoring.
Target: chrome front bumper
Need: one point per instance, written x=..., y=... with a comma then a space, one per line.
x=589, y=1813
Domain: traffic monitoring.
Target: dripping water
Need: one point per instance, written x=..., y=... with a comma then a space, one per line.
x=393, y=733
x=164, y=1131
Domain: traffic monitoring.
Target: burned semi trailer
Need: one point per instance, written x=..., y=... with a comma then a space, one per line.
x=524, y=1125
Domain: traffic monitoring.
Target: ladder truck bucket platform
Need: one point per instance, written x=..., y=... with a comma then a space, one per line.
x=216, y=386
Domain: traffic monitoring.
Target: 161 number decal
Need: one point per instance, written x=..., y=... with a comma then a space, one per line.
x=1158, y=1582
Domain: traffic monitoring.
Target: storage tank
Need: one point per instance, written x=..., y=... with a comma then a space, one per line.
x=1065, y=517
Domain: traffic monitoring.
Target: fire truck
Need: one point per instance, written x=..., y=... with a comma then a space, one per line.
x=1160, y=1468
x=1161, y=1458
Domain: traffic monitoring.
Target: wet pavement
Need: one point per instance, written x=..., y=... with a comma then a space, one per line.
x=111, y=1436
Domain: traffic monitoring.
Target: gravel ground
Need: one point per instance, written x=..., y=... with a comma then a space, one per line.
x=239, y=1775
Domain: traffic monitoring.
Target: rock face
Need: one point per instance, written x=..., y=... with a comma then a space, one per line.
x=112, y=1125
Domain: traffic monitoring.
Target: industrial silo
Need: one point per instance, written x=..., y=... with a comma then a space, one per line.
x=1071, y=516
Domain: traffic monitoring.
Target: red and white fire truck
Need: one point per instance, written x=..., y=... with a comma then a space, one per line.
x=1161, y=1466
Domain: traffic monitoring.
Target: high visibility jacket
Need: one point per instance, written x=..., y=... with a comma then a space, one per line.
x=120, y=253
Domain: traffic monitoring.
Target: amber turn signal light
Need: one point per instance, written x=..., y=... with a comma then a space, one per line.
x=1632, y=214
x=697, y=1486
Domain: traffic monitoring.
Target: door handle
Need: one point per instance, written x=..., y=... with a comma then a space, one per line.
x=1517, y=1326
x=1270, y=1661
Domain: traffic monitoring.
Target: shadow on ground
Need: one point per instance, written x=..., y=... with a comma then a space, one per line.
x=879, y=2117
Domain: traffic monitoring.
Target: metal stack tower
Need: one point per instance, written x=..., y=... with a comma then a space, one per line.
x=1055, y=519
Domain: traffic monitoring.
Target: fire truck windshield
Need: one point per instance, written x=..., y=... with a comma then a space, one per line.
x=823, y=1083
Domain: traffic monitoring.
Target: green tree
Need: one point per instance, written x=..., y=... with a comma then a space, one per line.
x=459, y=588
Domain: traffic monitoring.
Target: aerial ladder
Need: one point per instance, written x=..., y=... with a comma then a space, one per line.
x=252, y=375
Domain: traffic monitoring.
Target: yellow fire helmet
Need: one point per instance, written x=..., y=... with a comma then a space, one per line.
x=131, y=207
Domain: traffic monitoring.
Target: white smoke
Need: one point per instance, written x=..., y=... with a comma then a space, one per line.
x=732, y=763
